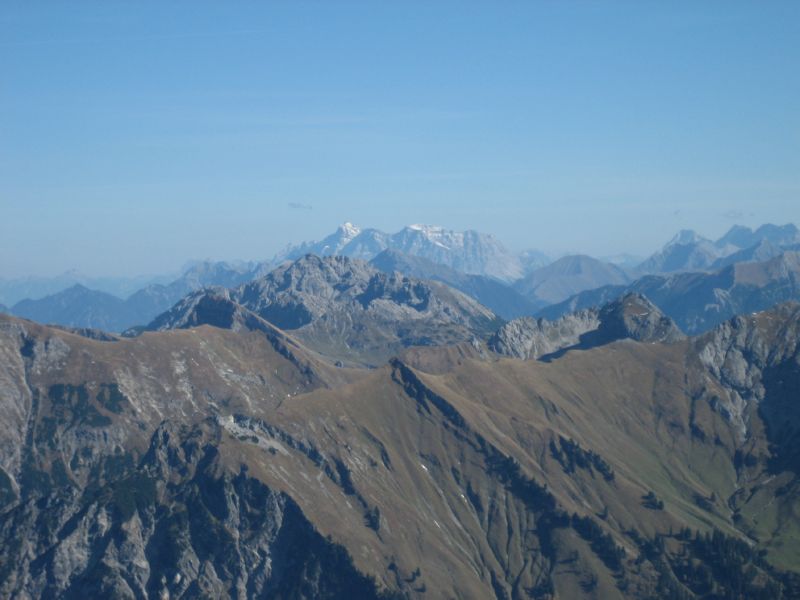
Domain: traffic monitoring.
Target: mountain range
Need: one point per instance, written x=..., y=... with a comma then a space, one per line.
x=568, y=276
x=79, y=306
x=470, y=252
x=689, y=251
x=699, y=301
x=335, y=427
x=476, y=264
x=33, y=288
x=343, y=308
x=235, y=461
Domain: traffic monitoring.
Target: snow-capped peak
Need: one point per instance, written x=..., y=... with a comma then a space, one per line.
x=348, y=230
x=426, y=229
x=686, y=236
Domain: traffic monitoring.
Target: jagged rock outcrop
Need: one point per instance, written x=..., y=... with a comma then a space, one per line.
x=748, y=355
x=88, y=332
x=632, y=316
x=529, y=337
x=343, y=308
x=178, y=524
x=470, y=251
x=500, y=298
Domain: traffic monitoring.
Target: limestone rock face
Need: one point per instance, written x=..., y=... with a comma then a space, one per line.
x=752, y=357
x=528, y=337
x=500, y=298
x=342, y=307
x=631, y=317
x=178, y=524
x=634, y=316
x=470, y=251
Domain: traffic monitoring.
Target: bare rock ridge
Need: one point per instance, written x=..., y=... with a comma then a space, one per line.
x=634, y=317
x=467, y=251
x=762, y=251
x=744, y=237
x=341, y=307
x=528, y=337
x=688, y=251
x=501, y=299
x=126, y=538
x=754, y=357
x=630, y=317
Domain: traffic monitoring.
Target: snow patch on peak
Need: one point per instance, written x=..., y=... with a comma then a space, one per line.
x=428, y=229
x=349, y=230
x=685, y=236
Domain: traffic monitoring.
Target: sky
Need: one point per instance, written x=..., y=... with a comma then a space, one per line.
x=136, y=136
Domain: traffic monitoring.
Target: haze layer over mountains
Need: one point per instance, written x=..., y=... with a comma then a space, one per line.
x=415, y=415
x=511, y=285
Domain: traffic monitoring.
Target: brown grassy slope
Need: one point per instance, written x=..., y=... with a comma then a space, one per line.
x=406, y=466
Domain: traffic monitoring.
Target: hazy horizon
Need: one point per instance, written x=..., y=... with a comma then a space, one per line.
x=134, y=138
x=182, y=265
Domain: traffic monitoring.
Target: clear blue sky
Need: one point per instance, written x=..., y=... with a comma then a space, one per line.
x=135, y=136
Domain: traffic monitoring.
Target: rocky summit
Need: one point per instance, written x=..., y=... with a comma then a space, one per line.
x=343, y=308
x=568, y=276
x=470, y=251
x=630, y=317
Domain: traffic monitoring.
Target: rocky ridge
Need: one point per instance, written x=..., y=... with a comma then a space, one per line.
x=688, y=251
x=500, y=298
x=341, y=307
x=630, y=317
x=698, y=302
x=470, y=252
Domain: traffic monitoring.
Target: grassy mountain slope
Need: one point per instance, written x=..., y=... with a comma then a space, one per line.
x=449, y=472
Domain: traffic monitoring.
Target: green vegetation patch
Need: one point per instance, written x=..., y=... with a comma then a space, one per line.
x=715, y=565
x=111, y=398
x=570, y=455
x=70, y=403
x=133, y=493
